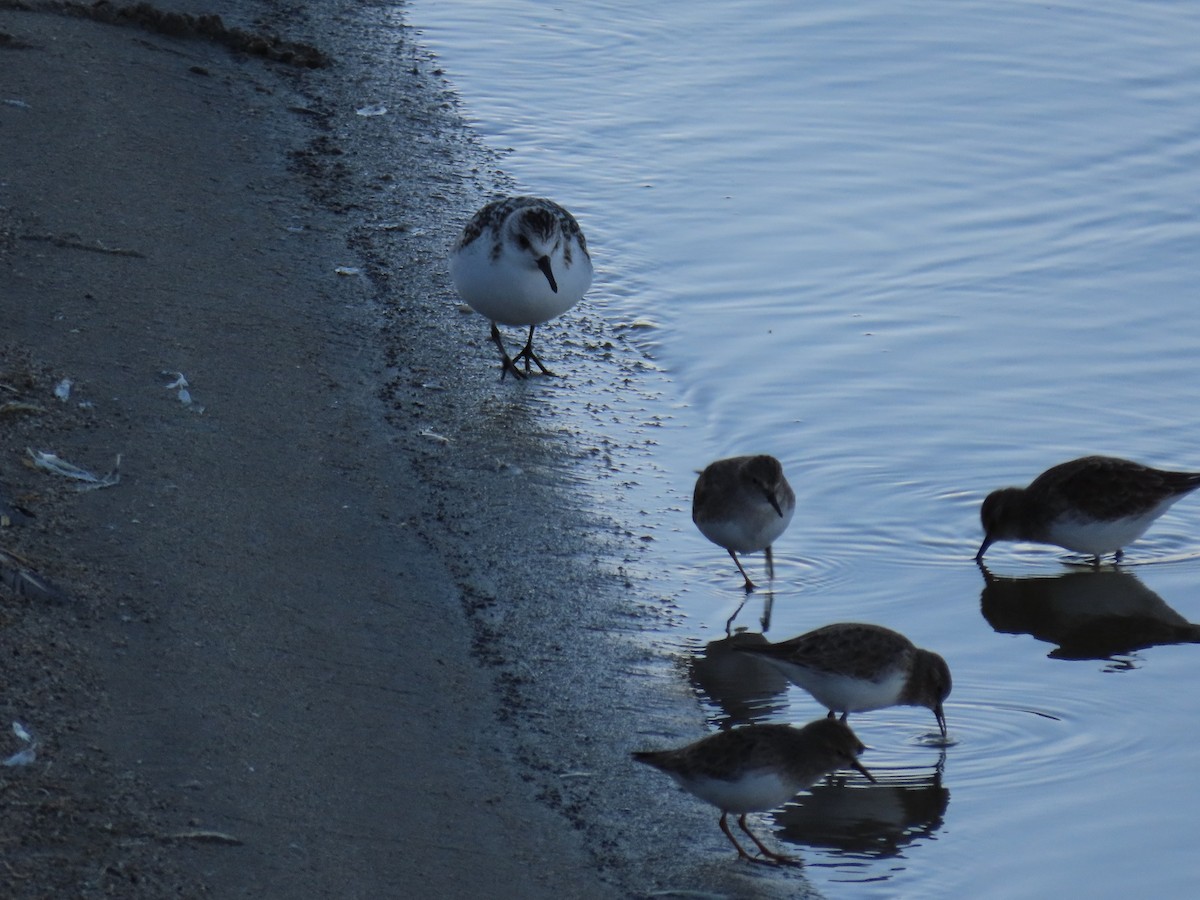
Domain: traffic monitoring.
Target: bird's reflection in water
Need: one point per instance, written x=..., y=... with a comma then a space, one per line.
x=764, y=620
x=872, y=820
x=743, y=688
x=1089, y=614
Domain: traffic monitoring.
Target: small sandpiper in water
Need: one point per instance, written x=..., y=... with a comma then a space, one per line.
x=743, y=504
x=1093, y=505
x=854, y=667
x=521, y=261
x=758, y=767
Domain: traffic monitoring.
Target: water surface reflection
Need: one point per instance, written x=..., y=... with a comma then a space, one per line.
x=1089, y=614
x=738, y=687
x=764, y=618
x=878, y=820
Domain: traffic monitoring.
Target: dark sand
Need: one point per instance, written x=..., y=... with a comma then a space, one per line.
x=347, y=630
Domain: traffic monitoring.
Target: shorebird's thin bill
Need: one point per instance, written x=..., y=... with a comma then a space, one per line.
x=862, y=770
x=987, y=542
x=544, y=264
x=941, y=719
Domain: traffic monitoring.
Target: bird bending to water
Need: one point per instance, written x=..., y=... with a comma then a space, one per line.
x=854, y=667
x=758, y=767
x=1093, y=505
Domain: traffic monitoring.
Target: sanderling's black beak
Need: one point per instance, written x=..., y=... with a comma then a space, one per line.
x=987, y=542
x=941, y=719
x=543, y=263
x=863, y=771
x=774, y=503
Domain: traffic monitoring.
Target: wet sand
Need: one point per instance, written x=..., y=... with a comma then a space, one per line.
x=343, y=628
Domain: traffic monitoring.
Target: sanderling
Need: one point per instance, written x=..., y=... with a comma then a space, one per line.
x=743, y=504
x=758, y=767
x=1093, y=505
x=521, y=261
x=851, y=667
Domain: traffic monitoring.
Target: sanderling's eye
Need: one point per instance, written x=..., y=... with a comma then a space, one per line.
x=522, y=242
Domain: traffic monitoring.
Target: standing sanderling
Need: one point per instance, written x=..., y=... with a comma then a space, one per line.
x=521, y=261
x=758, y=767
x=743, y=504
x=1093, y=505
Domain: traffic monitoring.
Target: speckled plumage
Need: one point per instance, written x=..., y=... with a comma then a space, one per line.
x=758, y=767
x=1093, y=505
x=856, y=667
x=521, y=261
x=542, y=215
x=743, y=504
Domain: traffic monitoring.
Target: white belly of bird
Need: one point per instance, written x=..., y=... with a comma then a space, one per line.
x=512, y=290
x=841, y=693
x=1097, y=538
x=747, y=533
x=753, y=792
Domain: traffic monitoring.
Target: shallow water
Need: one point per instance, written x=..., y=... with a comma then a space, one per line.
x=917, y=252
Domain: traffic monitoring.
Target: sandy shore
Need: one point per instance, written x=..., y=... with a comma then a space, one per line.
x=283, y=662
x=343, y=628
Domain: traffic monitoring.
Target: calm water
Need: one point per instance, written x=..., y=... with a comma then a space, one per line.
x=917, y=251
